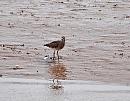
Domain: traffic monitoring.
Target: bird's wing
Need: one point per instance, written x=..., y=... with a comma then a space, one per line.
x=53, y=44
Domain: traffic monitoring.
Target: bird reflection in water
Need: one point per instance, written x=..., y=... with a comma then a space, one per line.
x=57, y=71
x=56, y=85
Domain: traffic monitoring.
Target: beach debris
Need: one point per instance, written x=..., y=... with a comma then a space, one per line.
x=4, y=58
x=48, y=59
x=115, y=5
x=100, y=18
x=11, y=13
x=122, y=43
x=11, y=25
x=21, y=11
x=121, y=54
x=75, y=50
x=9, y=45
x=114, y=17
x=35, y=49
x=58, y=25
x=28, y=53
x=2, y=45
x=17, y=67
x=127, y=16
x=1, y=75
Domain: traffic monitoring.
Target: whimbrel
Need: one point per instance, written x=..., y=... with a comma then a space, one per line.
x=56, y=45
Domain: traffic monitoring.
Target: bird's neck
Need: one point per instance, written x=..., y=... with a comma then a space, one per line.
x=63, y=40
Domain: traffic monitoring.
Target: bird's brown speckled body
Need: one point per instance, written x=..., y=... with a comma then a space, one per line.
x=56, y=45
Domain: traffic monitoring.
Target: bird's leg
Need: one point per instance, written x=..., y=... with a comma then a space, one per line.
x=53, y=81
x=57, y=55
x=54, y=55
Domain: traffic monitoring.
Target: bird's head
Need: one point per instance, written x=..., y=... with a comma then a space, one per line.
x=63, y=38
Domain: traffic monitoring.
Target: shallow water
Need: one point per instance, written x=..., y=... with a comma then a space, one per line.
x=97, y=39
x=14, y=89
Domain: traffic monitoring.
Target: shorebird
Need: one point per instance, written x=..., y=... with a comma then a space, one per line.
x=56, y=45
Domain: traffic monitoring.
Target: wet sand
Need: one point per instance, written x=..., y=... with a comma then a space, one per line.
x=97, y=50
x=14, y=89
x=97, y=39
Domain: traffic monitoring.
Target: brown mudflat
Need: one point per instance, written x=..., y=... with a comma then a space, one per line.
x=97, y=33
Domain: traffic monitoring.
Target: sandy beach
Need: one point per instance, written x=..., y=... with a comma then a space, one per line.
x=97, y=47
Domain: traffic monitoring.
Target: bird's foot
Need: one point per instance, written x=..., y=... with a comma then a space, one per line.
x=53, y=58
